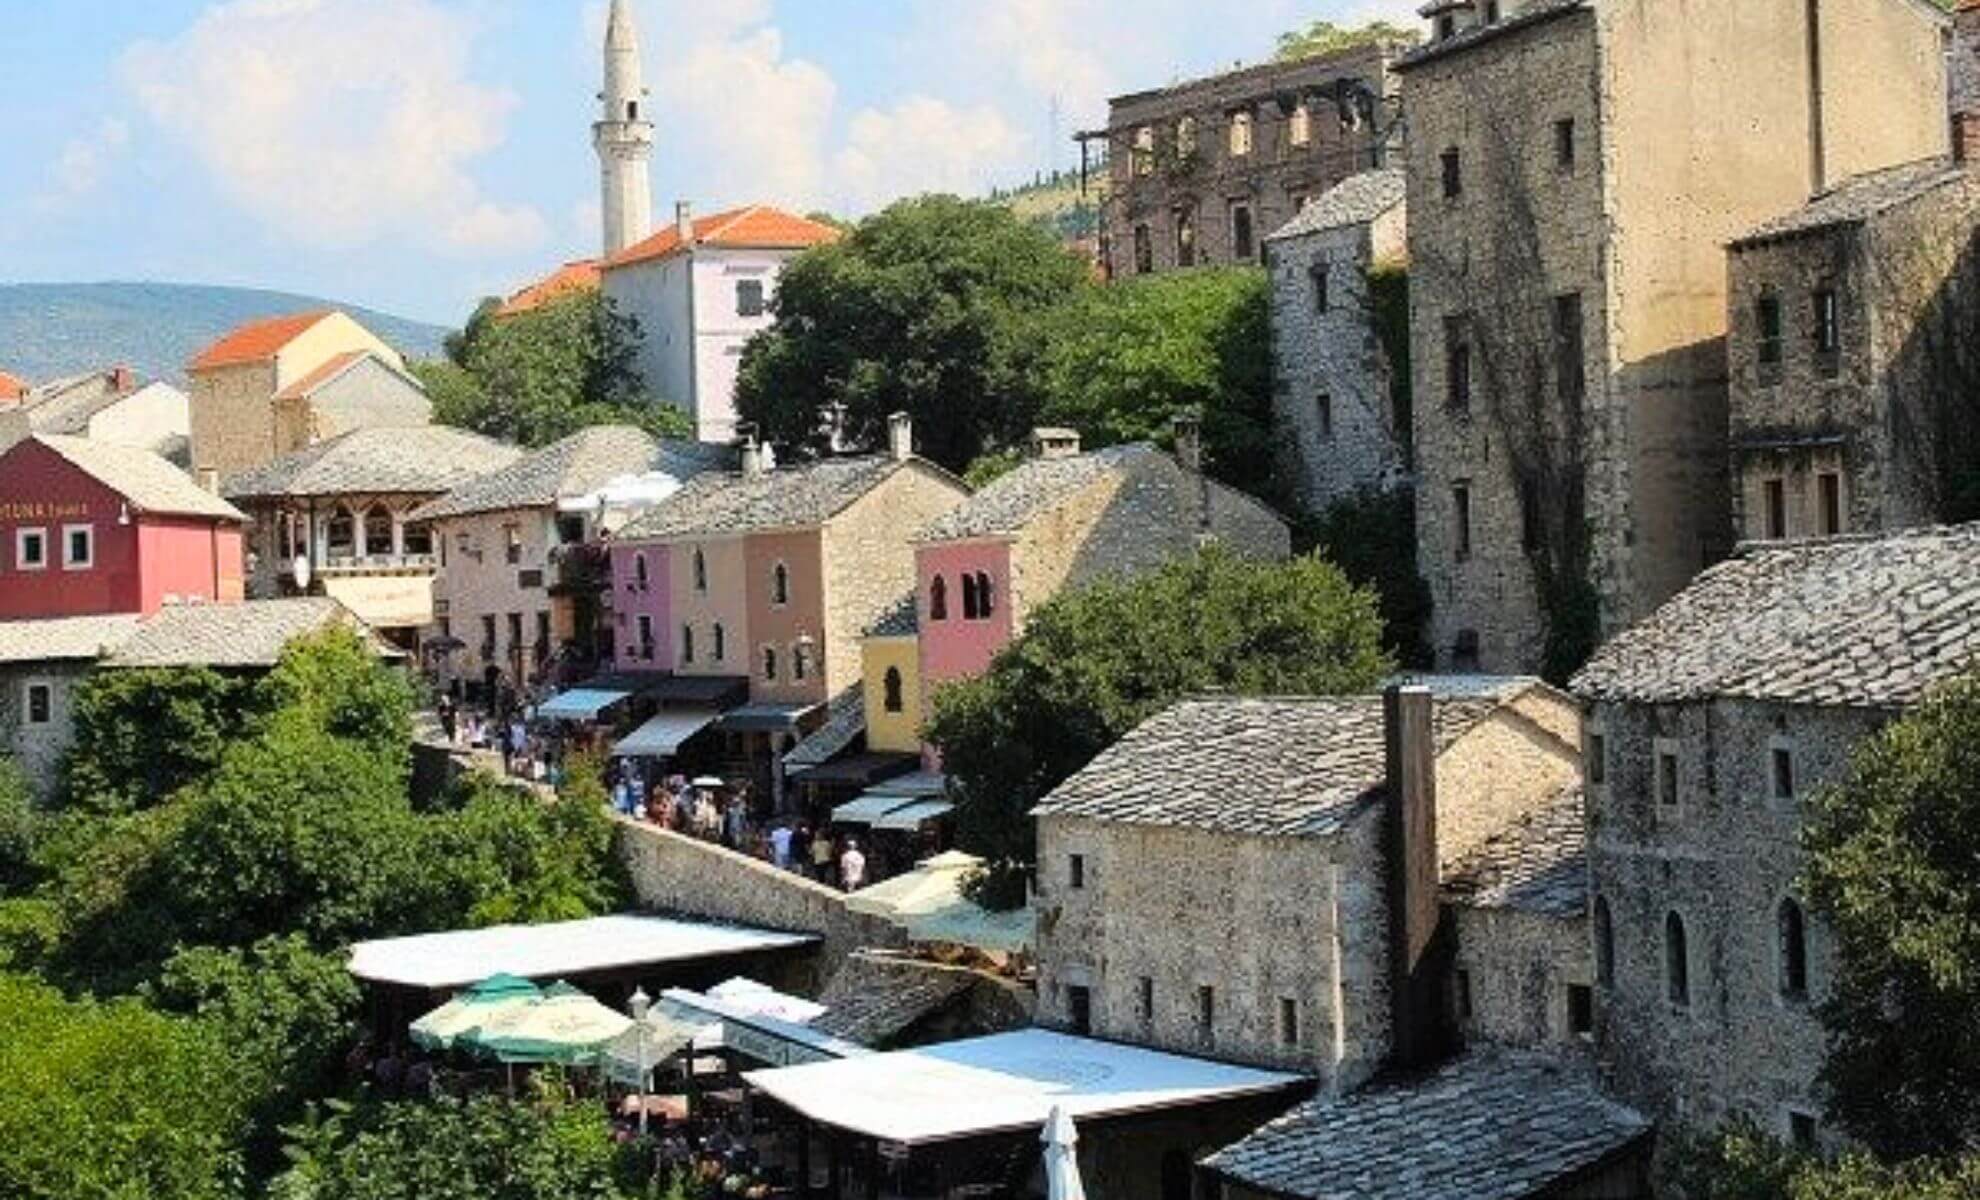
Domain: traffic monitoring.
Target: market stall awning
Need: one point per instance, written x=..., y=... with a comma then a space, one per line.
x=766, y=718
x=760, y=1036
x=706, y=691
x=459, y=957
x=579, y=704
x=661, y=736
x=916, y=785
x=856, y=770
x=911, y=817
x=935, y=883
x=1003, y=1083
x=868, y=808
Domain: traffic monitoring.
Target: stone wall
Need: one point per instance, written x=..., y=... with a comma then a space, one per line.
x=1509, y=764
x=1723, y=858
x=869, y=563
x=38, y=749
x=233, y=423
x=369, y=395
x=676, y=874
x=1518, y=967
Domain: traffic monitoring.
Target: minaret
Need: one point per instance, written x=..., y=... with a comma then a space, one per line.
x=623, y=136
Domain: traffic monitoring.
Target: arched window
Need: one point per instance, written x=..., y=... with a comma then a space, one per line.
x=938, y=599
x=1605, y=944
x=377, y=531
x=800, y=661
x=1677, y=962
x=632, y=110
x=1793, y=950
x=639, y=571
x=769, y=662
x=984, y=606
x=721, y=646
x=341, y=535
x=687, y=643
x=893, y=686
x=970, y=607
x=700, y=571
x=780, y=584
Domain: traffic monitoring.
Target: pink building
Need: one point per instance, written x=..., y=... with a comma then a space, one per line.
x=640, y=602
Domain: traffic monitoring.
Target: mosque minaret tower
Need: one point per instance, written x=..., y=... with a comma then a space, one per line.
x=623, y=136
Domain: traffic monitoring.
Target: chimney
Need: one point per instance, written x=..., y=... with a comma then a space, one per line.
x=1965, y=137
x=752, y=452
x=900, y=436
x=209, y=479
x=1050, y=443
x=684, y=222
x=123, y=381
x=1419, y=944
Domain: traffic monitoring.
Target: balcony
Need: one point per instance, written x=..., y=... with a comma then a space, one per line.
x=378, y=564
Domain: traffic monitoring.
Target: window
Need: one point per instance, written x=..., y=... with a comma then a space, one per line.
x=1767, y=318
x=418, y=539
x=340, y=535
x=970, y=609
x=645, y=636
x=1240, y=133
x=30, y=549
x=1667, y=777
x=1828, y=327
x=640, y=576
x=78, y=547
x=1242, y=245
x=1446, y=27
x=770, y=662
x=800, y=661
x=1461, y=518
x=1144, y=250
x=1564, y=143
x=1828, y=496
x=1581, y=1010
x=542, y=634
x=1491, y=11
x=938, y=599
x=40, y=703
x=1323, y=300
x=1677, y=962
x=1185, y=237
x=1605, y=944
x=488, y=635
x=687, y=643
x=1185, y=137
x=1076, y=871
x=1288, y=1021
x=377, y=531
x=1144, y=999
x=512, y=536
x=780, y=585
x=1464, y=650
x=1079, y=1009
x=1206, y=1012
x=1598, y=758
x=1775, y=493
x=1142, y=157
x=749, y=297
x=1453, y=173
x=718, y=648
x=1461, y=993
x=1299, y=128
x=1802, y=1132
x=1570, y=370
x=1781, y=764
x=985, y=601
x=1323, y=406
x=515, y=633
x=632, y=110
x=700, y=570
x=894, y=702
x=1793, y=950
x=1457, y=363
x=1530, y=529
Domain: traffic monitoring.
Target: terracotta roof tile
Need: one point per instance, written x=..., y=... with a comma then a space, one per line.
x=567, y=280
x=12, y=387
x=256, y=341
x=758, y=226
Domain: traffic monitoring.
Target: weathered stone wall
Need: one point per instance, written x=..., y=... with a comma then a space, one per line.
x=676, y=874
x=1351, y=441
x=38, y=749
x=869, y=562
x=369, y=395
x=233, y=424
x=1519, y=966
x=1723, y=858
x=1508, y=765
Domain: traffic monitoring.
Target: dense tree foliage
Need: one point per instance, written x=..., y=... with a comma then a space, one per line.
x=1095, y=662
x=1892, y=849
x=542, y=375
x=1371, y=535
x=925, y=308
x=1744, y=1164
x=1325, y=37
x=142, y=735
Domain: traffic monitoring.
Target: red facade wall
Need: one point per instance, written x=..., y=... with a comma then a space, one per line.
x=960, y=648
x=184, y=558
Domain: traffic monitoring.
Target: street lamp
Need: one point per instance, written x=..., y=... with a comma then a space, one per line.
x=638, y=1006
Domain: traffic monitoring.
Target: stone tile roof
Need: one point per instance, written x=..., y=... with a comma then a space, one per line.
x=1855, y=622
x=146, y=481
x=1535, y=13
x=1538, y=864
x=1355, y=200
x=67, y=405
x=578, y=464
x=1008, y=503
x=902, y=619
x=1263, y=766
x=845, y=722
x=64, y=638
x=1492, y=1125
x=428, y=459
x=785, y=498
x=1857, y=199
x=256, y=341
x=757, y=227
x=872, y=998
x=249, y=634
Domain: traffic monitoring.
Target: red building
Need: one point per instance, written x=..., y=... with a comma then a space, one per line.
x=88, y=528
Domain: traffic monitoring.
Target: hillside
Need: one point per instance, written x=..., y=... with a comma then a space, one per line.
x=1054, y=202
x=48, y=330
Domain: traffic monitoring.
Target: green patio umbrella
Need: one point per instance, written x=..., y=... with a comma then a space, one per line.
x=561, y=1026
x=441, y=1028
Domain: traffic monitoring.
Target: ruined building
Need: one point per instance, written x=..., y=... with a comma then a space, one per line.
x=1576, y=168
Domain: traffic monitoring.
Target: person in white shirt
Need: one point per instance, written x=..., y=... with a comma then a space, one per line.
x=780, y=847
x=852, y=867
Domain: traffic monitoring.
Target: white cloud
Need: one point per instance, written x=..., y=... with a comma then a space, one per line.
x=754, y=122
x=923, y=144
x=338, y=122
x=80, y=167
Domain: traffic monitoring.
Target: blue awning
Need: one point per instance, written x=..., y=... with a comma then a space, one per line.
x=579, y=704
x=662, y=736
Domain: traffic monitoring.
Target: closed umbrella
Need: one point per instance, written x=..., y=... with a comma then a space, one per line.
x=439, y=1029
x=562, y=1026
x=1062, y=1180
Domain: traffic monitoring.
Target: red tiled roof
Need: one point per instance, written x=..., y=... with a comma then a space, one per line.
x=256, y=341
x=757, y=227
x=12, y=387
x=569, y=279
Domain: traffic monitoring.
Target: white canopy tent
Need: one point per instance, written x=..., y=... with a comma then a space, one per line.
x=1002, y=1083
x=456, y=958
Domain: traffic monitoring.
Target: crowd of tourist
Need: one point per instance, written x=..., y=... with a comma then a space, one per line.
x=713, y=811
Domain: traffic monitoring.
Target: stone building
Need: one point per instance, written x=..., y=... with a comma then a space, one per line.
x=1848, y=322
x=1706, y=727
x=1333, y=385
x=1568, y=281
x=1201, y=171
x=1257, y=879
x=273, y=386
x=105, y=406
x=343, y=509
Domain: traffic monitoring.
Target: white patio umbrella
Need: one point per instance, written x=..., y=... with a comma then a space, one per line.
x=1062, y=1180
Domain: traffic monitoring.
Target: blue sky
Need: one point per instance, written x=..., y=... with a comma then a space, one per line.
x=412, y=155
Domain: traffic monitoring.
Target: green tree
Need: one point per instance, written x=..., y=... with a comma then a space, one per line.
x=22, y=826
x=1121, y=362
x=1741, y=1163
x=1891, y=853
x=508, y=856
x=924, y=308
x=142, y=735
x=1096, y=662
x=1371, y=535
x=1325, y=37
x=111, y=1101
x=544, y=374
